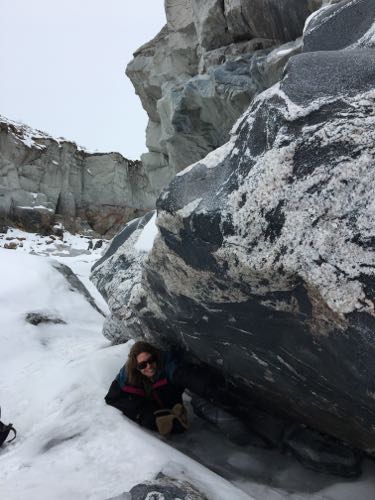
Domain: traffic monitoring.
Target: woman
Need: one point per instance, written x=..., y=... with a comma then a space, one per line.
x=146, y=390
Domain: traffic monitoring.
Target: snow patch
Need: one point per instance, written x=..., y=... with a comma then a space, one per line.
x=36, y=207
x=212, y=159
x=189, y=208
x=146, y=239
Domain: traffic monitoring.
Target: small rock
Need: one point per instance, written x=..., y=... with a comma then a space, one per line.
x=12, y=245
x=98, y=244
x=58, y=230
x=35, y=318
x=162, y=488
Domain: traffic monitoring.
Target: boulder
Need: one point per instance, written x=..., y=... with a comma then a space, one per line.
x=201, y=72
x=123, y=262
x=162, y=488
x=12, y=245
x=341, y=25
x=43, y=180
x=264, y=264
x=279, y=20
x=38, y=219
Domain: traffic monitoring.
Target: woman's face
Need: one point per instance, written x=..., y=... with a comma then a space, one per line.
x=146, y=364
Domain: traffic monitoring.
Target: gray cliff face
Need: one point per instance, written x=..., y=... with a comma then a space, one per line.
x=43, y=180
x=264, y=263
x=200, y=73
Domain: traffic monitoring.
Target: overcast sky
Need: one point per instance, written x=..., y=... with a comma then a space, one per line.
x=62, y=66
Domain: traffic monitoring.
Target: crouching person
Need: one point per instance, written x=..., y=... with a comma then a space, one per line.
x=147, y=392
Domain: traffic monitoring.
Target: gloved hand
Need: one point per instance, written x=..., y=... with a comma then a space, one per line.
x=180, y=413
x=164, y=421
x=171, y=420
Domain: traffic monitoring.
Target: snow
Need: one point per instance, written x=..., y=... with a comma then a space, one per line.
x=367, y=40
x=314, y=14
x=212, y=159
x=189, y=208
x=70, y=445
x=284, y=52
x=147, y=236
x=29, y=136
x=36, y=207
x=25, y=134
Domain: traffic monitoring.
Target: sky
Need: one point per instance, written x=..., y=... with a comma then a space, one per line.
x=62, y=66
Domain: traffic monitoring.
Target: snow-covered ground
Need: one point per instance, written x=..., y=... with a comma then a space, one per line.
x=70, y=445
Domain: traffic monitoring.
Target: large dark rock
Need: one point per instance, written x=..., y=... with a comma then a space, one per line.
x=264, y=267
x=121, y=280
x=341, y=25
x=276, y=19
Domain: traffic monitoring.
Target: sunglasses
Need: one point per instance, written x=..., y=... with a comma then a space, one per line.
x=143, y=365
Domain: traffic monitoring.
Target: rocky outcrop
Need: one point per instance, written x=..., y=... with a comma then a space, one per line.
x=200, y=73
x=118, y=276
x=264, y=265
x=44, y=179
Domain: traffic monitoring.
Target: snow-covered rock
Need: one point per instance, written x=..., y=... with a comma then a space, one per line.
x=264, y=267
x=53, y=378
x=163, y=488
x=123, y=261
x=43, y=179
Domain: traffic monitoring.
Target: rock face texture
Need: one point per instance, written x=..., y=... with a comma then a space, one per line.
x=118, y=276
x=264, y=265
x=43, y=179
x=328, y=30
x=200, y=73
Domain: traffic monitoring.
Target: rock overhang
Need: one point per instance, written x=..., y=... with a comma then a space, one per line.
x=264, y=263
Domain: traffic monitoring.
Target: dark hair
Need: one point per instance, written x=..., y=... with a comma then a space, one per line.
x=135, y=377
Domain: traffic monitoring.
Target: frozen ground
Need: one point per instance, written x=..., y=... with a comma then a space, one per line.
x=70, y=445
